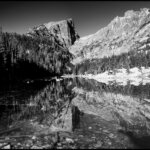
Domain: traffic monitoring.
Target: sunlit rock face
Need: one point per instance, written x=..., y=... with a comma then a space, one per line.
x=122, y=34
x=63, y=30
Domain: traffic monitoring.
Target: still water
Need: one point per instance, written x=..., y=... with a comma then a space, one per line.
x=84, y=114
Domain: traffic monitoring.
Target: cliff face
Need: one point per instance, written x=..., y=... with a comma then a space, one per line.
x=63, y=31
x=123, y=34
x=44, y=47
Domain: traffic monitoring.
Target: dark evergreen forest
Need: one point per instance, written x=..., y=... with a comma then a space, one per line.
x=24, y=56
x=126, y=60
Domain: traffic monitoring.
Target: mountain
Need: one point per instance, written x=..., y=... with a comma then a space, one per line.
x=57, y=48
x=43, y=51
x=63, y=30
x=122, y=35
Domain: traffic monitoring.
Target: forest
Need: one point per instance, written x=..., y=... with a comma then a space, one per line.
x=36, y=56
x=42, y=55
x=136, y=58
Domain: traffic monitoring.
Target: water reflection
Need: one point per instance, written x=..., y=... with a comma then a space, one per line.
x=127, y=107
x=35, y=100
x=75, y=117
x=98, y=115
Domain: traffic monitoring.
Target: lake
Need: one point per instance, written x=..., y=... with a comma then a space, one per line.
x=74, y=113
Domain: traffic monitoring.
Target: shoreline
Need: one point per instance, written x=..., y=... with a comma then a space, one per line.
x=121, y=77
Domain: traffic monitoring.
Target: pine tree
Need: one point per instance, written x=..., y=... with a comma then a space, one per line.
x=1, y=41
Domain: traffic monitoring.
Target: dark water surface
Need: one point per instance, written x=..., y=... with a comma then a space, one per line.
x=74, y=113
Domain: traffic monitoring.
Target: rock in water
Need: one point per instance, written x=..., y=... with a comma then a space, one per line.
x=98, y=144
x=7, y=147
x=69, y=140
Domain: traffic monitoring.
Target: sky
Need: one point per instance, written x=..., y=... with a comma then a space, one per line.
x=88, y=16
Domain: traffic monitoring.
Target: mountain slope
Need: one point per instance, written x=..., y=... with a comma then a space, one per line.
x=63, y=30
x=123, y=34
x=43, y=51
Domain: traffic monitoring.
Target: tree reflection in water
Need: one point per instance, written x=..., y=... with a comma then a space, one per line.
x=92, y=111
x=75, y=117
x=44, y=106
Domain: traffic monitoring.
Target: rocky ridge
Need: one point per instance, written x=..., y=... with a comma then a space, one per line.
x=43, y=47
x=123, y=34
x=63, y=30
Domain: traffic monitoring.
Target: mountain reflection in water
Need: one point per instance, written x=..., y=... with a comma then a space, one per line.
x=97, y=115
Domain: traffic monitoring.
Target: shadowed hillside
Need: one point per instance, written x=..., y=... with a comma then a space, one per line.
x=38, y=54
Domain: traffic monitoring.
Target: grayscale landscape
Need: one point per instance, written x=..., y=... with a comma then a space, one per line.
x=68, y=85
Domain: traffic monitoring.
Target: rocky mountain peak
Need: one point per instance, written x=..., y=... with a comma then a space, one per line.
x=119, y=36
x=63, y=30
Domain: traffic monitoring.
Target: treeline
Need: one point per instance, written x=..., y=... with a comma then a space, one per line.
x=141, y=91
x=125, y=60
x=23, y=56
